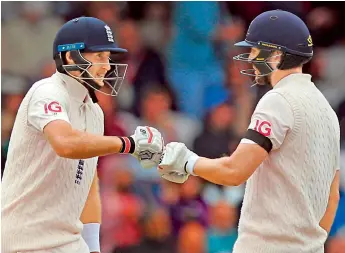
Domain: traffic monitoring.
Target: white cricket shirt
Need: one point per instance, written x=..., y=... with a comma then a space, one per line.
x=43, y=195
x=287, y=196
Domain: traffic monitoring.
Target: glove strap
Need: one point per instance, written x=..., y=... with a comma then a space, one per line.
x=189, y=166
x=128, y=145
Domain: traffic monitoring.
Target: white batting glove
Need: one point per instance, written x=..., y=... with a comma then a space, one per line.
x=149, y=146
x=174, y=177
x=177, y=162
x=146, y=144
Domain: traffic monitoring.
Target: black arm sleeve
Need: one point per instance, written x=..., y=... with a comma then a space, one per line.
x=259, y=139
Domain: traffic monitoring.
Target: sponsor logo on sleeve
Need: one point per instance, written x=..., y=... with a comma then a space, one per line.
x=263, y=127
x=53, y=107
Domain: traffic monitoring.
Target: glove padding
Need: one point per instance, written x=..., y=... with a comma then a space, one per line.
x=149, y=146
x=174, y=177
x=174, y=159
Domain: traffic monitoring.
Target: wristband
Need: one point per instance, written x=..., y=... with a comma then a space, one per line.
x=189, y=166
x=128, y=145
x=90, y=235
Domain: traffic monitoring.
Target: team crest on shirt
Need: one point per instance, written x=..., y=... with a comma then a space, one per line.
x=79, y=174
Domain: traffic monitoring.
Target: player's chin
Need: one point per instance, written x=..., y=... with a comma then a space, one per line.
x=100, y=83
x=260, y=80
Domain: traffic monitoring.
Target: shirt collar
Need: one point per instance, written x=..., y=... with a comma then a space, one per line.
x=299, y=77
x=74, y=87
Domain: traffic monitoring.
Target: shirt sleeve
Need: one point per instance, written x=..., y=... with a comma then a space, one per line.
x=273, y=118
x=47, y=105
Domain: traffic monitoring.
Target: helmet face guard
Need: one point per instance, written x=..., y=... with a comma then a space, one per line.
x=288, y=59
x=276, y=30
x=112, y=79
x=262, y=64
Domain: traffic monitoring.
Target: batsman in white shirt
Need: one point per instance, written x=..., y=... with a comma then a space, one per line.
x=50, y=199
x=289, y=157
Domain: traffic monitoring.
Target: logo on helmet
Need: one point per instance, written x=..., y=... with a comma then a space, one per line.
x=310, y=41
x=269, y=45
x=109, y=33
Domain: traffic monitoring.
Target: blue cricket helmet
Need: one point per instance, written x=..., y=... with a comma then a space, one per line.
x=276, y=30
x=88, y=34
x=280, y=30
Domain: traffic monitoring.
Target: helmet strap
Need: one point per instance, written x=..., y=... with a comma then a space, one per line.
x=59, y=62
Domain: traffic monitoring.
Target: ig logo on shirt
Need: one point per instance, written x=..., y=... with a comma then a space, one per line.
x=263, y=127
x=53, y=107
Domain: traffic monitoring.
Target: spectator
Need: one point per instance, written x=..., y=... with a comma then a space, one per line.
x=13, y=90
x=122, y=210
x=170, y=193
x=37, y=27
x=155, y=26
x=324, y=20
x=144, y=66
x=190, y=206
x=157, y=234
x=217, y=137
x=196, y=74
x=222, y=234
x=329, y=63
x=156, y=110
x=192, y=238
x=112, y=13
x=9, y=11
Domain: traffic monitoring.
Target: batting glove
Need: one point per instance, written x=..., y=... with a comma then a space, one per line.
x=177, y=163
x=146, y=144
x=149, y=145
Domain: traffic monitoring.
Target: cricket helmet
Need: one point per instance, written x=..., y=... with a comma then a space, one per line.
x=88, y=34
x=276, y=30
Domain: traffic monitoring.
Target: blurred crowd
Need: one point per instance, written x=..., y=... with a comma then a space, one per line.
x=181, y=80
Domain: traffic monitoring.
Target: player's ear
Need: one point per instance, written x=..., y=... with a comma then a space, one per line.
x=278, y=54
x=275, y=58
x=68, y=58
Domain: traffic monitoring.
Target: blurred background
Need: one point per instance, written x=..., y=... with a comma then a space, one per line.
x=181, y=79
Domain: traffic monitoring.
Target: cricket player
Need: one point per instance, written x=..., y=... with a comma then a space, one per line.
x=289, y=156
x=50, y=198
